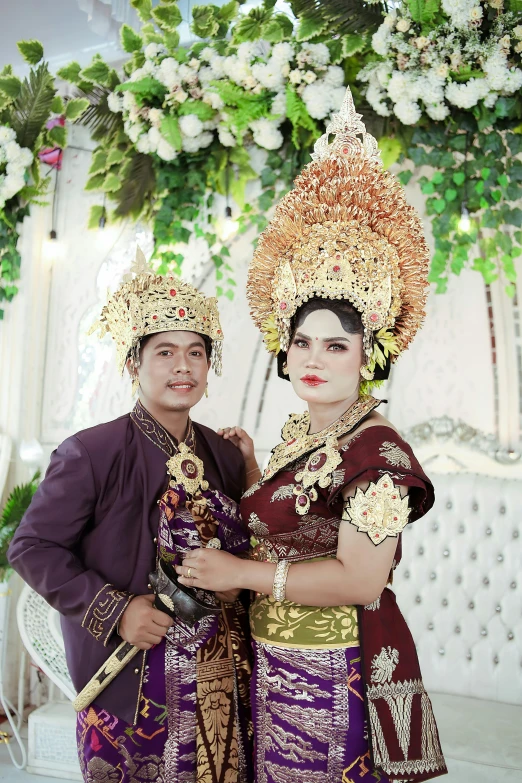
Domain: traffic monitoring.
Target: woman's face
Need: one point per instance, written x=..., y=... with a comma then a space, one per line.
x=324, y=360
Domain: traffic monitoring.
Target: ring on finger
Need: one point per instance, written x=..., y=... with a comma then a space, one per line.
x=189, y=573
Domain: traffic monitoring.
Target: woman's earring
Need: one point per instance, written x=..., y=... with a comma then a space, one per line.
x=366, y=373
x=206, y=390
x=285, y=369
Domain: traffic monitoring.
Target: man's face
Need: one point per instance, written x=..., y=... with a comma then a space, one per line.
x=173, y=370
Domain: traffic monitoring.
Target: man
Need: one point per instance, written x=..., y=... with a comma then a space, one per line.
x=90, y=538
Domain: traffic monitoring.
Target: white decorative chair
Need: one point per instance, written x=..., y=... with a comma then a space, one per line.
x=460, y=588
x=52, y=740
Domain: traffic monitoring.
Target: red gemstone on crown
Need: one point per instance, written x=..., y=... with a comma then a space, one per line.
x=338, y=256
x=173, y=292
x=134, y=328
x=302, y=500
x=345, y=150
x=154, y=317
x=395, y=519
x=181, y=313
x=374, y=317
x=379, y=304
x=336, y=268
x=289, y=442
x=283, y=306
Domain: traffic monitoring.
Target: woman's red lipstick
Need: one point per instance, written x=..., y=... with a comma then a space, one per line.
x=312, y=380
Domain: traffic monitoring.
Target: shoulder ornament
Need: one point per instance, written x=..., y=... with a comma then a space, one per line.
x=378, y=511
x=394, y=455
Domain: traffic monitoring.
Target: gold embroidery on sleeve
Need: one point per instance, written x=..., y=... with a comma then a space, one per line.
x=394, y=455
x=378, y=511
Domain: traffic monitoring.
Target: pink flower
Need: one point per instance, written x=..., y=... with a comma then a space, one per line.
x=52, y=156
x=52, y=123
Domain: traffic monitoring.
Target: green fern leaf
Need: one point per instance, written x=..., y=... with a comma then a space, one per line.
x=137, y=188
x=170, y=130
x=102, y=122
x=298, y=115
x=32, y=107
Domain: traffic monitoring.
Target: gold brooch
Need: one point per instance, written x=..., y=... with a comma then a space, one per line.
x=187, y=469
x=318, y=470
x=378, y=511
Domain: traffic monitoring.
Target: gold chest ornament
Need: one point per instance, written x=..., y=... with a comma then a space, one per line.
x=318, y=470
x=187, y=469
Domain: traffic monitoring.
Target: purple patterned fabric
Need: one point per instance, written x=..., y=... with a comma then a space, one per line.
x=183, y=697
x=309, y=713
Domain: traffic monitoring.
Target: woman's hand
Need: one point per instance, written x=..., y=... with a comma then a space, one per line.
x=211, y=569
x=241, y=440
x=229, y=596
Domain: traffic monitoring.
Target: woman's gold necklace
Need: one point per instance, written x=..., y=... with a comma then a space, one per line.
x=298, y=441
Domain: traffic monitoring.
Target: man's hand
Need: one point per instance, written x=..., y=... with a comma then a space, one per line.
x=142, y=625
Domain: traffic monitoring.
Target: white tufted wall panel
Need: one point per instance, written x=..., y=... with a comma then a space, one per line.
x=459, y=585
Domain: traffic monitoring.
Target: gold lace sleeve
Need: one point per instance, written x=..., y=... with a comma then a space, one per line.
x=379, y=511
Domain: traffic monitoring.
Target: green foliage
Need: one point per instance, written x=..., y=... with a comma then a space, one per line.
x=211, y=21
x=424, y=12
x=71, y=73
x=96, y=72
x=144, y=8
x=130, y=40
x=10, y=86
x=339, y=17
x=167, y=16
x=251, y=26
x=75, y=108
x=16, y=505
x=481, y=174
x=31, y=51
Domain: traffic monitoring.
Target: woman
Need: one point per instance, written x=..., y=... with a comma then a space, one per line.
x=337, y=285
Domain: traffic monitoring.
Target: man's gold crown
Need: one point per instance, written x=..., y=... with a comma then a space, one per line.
x=146, y=304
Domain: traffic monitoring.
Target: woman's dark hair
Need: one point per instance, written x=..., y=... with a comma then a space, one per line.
x=206, y=340
x=350, y=320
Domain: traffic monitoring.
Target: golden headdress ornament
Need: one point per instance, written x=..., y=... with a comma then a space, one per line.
x=146, y=303
x=345, y=231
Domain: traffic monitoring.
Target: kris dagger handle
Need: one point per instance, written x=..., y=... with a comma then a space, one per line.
x=105, y=674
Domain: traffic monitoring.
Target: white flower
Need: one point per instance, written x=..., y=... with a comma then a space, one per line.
x=390, y=21
x=310, y=77
x=442, y=70
x=269, y=74
x=334, y=76
x=336, y=98
x=217, y=65
x=279, y=105
x=437, y=111
x=143, y=144
x=149, y=68
x=15, y=168
x=152, y=50
x=129, y=101
x=167, y=73
x=461, y=12
x=408, y=112
x=375, y=97
x=226, y=138
x=315, y=54
x=190, y=125
x=195, y=63
x=180, y=95
x=138, y=74
x=490, y=99
x=12, y=185
x=318, y=100
x=381, y=40
x=467, y=95
x=156, y=116
x=115, y=102
x=475, y=14
x=398, y=86
x=214, y=100
x=12, y=149
x=295, y=76
x=6, y=134
x=154, y=137
x=134, y=131
x=266, y=134
x=496, y=70
x=283, y=52
x=518, y=47
x=25, y=157
x=455, y=60
x=206, y=54
x=513, y=80
x=195, y=143
x=165, y=150
x=403, y=25
x=421, y=42
x=517, y=31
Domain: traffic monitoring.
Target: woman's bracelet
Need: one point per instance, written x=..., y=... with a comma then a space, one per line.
x=280, y=577
x=254, y=470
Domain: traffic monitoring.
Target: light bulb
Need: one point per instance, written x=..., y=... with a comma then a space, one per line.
x=52, y=248
x=229, y=227
x=464, y=222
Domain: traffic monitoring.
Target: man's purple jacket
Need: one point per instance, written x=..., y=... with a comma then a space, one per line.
x=87, y=543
